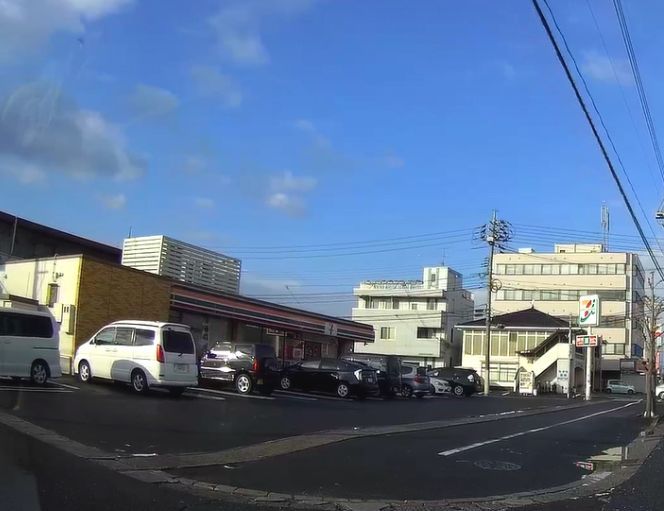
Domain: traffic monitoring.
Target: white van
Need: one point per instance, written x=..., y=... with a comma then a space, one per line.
x=29, y=345
x=142, y=353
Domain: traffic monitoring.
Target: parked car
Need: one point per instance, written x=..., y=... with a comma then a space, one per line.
x=464, y=382
x=248, y=367
x=30, y=345
x=141, y=353
x=619, y=387
x=439, y=385
x=388, y=370
x=659, y=391
x=343, y=378
x=414, y=381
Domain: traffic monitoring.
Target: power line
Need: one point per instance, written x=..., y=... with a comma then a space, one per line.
x=643, y=99
x=577, y=93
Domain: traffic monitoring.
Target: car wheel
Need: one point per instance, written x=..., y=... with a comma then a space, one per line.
x=661, y=396
x=286, y=383
x=176, y=391
x=406, y=391
x=243, y=384
x=139, y=383
x=458, y=391
x=630, y=391
x=39, y=372
x=608, y=391
x=343, y=390
x=84, y=372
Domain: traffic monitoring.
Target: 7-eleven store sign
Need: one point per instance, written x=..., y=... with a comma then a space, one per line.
x=589, y=310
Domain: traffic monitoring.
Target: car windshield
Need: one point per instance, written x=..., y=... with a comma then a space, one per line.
x=326, y=254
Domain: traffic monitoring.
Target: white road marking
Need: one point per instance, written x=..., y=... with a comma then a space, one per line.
x=294, y=395
x=227, y=393
x=212, y=398
x=529, y=431
x=64, y=385
x=28, y=389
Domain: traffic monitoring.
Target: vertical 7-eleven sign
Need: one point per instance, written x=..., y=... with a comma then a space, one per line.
x=589, y=310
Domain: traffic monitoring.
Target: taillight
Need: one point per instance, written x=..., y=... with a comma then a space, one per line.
x=420, y=379
x=256, y=366
x=160, y=353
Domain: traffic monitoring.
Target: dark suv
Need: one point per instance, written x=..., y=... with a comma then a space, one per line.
x=247, y=366
x=464, y=382
x=388, y=370
x=331, y=375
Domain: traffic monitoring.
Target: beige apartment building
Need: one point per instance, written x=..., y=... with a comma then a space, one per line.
x=553, y=281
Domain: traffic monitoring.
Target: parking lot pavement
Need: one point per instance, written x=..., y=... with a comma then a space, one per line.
x=110, y=417
x=492, y=458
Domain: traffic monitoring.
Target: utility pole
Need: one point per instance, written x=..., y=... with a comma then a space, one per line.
x=494, y=233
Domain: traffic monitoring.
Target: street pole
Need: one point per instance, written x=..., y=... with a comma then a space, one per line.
x=570, y=369
x=491, y=240
x=589, y=372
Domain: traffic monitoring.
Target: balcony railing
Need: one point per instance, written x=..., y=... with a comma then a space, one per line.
x=392, y=284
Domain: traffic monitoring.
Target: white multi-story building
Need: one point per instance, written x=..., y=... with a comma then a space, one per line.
x=415, y=318
x=552, y=282
x=181, y=261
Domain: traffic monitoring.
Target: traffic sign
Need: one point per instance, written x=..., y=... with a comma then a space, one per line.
x=589, y=310
x=587, y=341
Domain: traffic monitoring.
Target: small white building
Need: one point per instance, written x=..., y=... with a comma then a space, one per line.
x=182, y=261
x=415, y=319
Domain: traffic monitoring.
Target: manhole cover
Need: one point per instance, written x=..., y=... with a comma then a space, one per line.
x=496, y=465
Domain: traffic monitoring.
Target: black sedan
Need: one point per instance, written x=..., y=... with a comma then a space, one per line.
x=345, y=379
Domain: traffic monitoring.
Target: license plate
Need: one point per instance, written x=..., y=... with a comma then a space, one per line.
x=181, y=368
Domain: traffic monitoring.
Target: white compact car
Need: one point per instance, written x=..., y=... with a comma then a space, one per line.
x=29, y=345
x=142, y=353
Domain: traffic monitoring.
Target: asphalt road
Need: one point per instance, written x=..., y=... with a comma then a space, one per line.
x=409, y=466
x=477, y=459
x=111, y=417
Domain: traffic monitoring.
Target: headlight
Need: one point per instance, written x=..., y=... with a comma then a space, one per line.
x=471, y=378
x=358, y=374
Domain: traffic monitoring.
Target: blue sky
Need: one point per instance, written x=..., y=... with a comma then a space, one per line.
x=258, y=123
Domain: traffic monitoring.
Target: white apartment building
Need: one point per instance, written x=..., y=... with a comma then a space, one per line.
x=182, y=261
x=553, y=281
x=415, y=318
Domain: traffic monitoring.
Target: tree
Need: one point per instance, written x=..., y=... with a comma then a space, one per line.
x=653, y=309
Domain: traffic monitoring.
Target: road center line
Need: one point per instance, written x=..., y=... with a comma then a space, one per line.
x=529, y=431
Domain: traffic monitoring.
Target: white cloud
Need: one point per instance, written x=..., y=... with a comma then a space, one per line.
x=287, y=182
x=26, y=25
x=307, y=126
x=146, y=100
x=286, y=193
x=24, y=173
x=117, y=201
x=211, y=82
x=238, y=25
x=40, y=128
x=193, y=164
x=204, y=202
x=601, y=68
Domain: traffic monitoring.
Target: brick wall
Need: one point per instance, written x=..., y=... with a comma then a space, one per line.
x=110, y=293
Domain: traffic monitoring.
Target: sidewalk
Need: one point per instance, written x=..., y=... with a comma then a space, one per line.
x=643, y=492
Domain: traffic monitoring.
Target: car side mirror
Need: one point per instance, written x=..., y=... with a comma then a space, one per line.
x=92, y=341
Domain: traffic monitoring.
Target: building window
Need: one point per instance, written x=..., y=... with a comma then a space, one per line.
x=387, y=332
x=52, y=294
x=432, y=304
x=413, y=306
x=613, y=349
x=428, y=333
